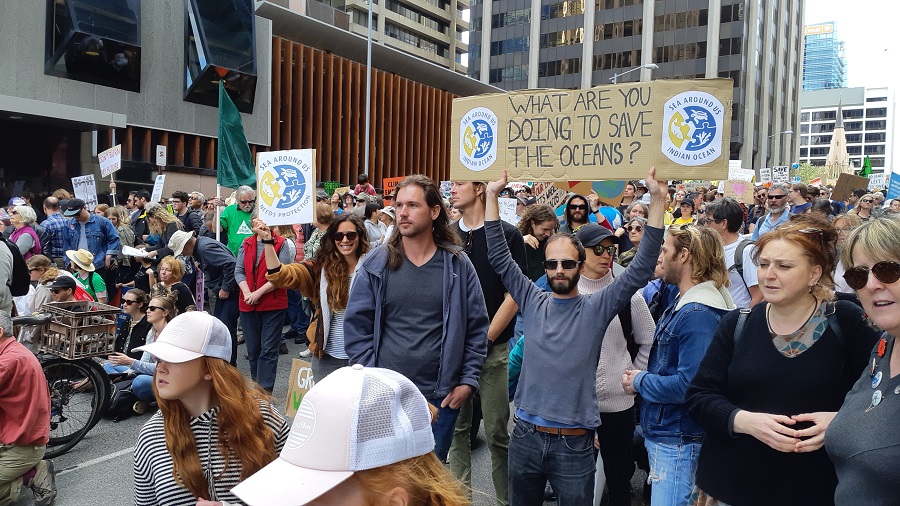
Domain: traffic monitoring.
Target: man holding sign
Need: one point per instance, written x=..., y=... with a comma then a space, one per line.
x=556, y=401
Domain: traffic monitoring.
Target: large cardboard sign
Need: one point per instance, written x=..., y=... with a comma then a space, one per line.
x=301, y=380
x=286, y=186
x=846, y=183
x=682, y=127
x=85, y=188
x=610, y=192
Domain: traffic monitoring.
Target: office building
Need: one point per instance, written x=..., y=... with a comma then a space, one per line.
x=80, y=76
x=869, y=117
x=435, y=30
x=519, y=44
x=824, y=64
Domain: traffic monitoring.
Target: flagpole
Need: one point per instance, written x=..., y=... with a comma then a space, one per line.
x=368, y=88
x=218, y=211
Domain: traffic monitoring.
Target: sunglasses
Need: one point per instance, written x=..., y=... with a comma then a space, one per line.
x=701, y=211
x=56, y=290
x=245, y=202
x=129, y=302
x=153, y=308
x=576, y=207
x=885, y=272
x=351, y=236
x=600, y=250
x=635, y=228
x=776, y=197
x=864, y=201
x=551, y=265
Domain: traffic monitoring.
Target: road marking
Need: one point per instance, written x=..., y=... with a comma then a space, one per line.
x=96, y=461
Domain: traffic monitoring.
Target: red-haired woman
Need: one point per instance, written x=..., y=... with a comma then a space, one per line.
x=214, y=428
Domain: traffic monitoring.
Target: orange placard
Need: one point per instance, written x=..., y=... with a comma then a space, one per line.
x=389, y=184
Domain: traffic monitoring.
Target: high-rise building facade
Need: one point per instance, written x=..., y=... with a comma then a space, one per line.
x=517, y=44
x=869, y=125
x=824, y=64
x=435, y=30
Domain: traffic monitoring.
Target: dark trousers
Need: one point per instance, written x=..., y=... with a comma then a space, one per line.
x=226, y=310
x=262, y=333
x=296, y=317
x=615, y=435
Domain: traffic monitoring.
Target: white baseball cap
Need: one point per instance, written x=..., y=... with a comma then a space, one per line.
x=356, y=418
x=191, y=335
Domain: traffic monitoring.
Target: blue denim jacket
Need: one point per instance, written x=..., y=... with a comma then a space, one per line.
x=682, y=335
x=102, y=238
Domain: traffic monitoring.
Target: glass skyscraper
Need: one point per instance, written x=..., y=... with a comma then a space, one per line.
x=824, y=64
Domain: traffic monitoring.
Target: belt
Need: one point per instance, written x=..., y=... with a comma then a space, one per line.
x=560, y=431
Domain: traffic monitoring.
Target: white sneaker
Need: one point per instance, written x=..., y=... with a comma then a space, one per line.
x=306, y=353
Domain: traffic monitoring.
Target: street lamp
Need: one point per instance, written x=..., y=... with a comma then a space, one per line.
x=649, y=66
x=766, y=143
x=780, y=133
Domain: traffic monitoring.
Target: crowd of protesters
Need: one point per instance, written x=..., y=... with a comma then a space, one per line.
x=738, y=354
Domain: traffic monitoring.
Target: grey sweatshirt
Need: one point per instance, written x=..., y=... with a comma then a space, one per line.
x=562, y=351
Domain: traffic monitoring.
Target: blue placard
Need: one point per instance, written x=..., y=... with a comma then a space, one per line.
x=894, y=186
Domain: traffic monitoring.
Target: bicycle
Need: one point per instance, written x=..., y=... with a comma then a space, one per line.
x=79, y=387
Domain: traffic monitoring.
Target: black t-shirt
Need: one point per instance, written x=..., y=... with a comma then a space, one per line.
x=491, y=285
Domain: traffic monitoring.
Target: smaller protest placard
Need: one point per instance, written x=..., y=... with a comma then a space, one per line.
x=765, y=175
x=876, y=181
x=86, y=190
x=389, y=184
x=158, y=185
x=508, y=211
x=816, y=181
x=846, y=183
x=739, y=174
x=110, y=160
x=781, y=174
x=301, y=380
x=330, y=186
x=286, y=186
x=742, y=191
x=547, y=193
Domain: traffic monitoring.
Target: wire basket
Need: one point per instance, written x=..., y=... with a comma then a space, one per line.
x=79, y=329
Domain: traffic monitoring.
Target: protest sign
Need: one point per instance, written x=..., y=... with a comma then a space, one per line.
x=547, y=193
x=286, y=186
x=389, y=184
x=158, y=188
x=846, y=183
x=876, y=181
x=342, y=190
x=735, y=164
x=301, y=380
x=110, y=160
x=739, y=174
x=508, y=210
x=86, y=190
x=330, y=186
x=816, y=181
x=682, y=127
x=894, y=188
x=609, y=192
x=781, y=174
x=765, y=175
x=739, y=190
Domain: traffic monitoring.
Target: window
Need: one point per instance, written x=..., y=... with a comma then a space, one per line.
x=853, y=138
x=559, y=67
x=511, y=18
x=95, y=41
x=880, y=112
x=824, y=115
x=562, y=38
x=853, y=113
x=876, y=137
x=877, y=149
x=220, y=44
x=514, y=45
x=514, y=73
x=562, y=9
x=853, y=126
x=876, y=125
x=804, y=116
x=876, y=99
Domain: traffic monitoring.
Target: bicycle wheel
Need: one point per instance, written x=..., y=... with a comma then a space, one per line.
x=101, y=379
x=75, y=397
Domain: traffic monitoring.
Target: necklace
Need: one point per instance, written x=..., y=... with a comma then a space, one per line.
x=811, y=313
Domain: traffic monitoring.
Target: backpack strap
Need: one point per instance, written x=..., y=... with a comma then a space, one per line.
x=628, y=330
x=831, y=316
x=741, y=323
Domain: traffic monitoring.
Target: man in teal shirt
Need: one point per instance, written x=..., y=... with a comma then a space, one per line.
x=236, y=218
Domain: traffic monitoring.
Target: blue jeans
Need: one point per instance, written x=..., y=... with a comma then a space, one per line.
x=672, y=470
x=567, y=462
x=141, y=385
x=296, y=317
x=443, y=428
x=226, y=310
x=262, y=333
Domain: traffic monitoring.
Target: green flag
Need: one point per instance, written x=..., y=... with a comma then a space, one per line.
x=235, y=164
x=866, y=168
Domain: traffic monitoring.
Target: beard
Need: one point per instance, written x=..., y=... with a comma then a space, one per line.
x=564, y=286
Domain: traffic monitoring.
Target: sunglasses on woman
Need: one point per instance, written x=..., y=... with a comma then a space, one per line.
x=635, y=228
x=885, y=272
x=351, y=236
x=129, y=302
x=153, y=308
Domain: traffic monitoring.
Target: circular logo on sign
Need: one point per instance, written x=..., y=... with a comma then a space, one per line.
x=693, y=128
x=282, y=186
x=477, y=132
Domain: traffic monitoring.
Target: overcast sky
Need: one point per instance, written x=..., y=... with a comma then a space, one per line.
x=869, y=31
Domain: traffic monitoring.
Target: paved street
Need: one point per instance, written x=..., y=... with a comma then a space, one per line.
x=98, y=469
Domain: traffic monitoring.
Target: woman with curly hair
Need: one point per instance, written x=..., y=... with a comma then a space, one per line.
x=163, y=224
x=537, y=225
x=326, y=281
x=213, y=428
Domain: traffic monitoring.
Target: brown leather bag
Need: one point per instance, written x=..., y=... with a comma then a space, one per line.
x=316, y=335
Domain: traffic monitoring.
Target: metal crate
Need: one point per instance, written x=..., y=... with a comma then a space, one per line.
x=79, y=329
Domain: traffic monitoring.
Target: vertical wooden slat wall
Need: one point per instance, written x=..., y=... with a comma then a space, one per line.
x=318, y=101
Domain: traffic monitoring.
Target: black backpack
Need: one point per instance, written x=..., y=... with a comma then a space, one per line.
x=628, y=331
x=20, y=279
x=43, y=239
x=739, y=258
x=121, y=401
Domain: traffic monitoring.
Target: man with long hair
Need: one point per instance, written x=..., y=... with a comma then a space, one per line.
x=693, y=259
x=556, y=401
x=416, y=307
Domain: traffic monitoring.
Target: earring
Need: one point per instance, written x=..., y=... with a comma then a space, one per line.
x=207, y=377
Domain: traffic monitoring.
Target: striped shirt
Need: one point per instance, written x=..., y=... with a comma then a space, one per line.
x=153, y=480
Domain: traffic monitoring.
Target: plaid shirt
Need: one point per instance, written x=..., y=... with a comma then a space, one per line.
x=54, y=225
